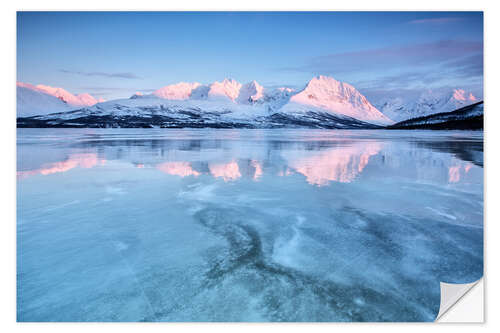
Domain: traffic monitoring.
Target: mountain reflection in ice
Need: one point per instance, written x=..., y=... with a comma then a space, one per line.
x=341, y=164
x=245, y=225
x=181, y=169
x=227, y=171
x=457, y=172
x=87, y=160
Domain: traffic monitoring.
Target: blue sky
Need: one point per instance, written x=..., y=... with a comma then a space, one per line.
x=114, y=54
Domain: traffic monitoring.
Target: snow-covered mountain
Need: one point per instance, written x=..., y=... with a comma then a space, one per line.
x=228, y=89
x=324, y=93
x=323, y=103
x=468, y=117
x=41, y=99
x=250, y=93
x=31, y=102
x=178, y=91
x=429, y=102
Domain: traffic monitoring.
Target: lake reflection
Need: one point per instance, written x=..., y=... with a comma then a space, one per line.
x=321, y=157
x=245, y=225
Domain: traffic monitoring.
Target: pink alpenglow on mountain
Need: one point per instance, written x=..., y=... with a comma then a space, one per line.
x=69, y=98
x=324, y=102
x=178, y=91
x=227, y=89
x=322, y=94
x=89, y=100
x=326, y=94
x=42, y=99
x=461, y=95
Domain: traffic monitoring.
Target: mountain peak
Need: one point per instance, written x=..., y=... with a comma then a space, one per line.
x=228, y=88
x=254, y=83
x=324, y=92
x=250, y=93
x=177, y=91
x=323, y=82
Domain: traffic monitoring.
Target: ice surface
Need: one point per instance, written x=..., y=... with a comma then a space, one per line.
x=245, y=225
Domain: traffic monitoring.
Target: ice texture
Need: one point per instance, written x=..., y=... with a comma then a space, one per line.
x=245, y=225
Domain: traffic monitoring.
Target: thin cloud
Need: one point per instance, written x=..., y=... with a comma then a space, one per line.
x=275, y=85
x=465, y=69
x=389, y=57
x=114, y=92
x=103, y=74
x=437, y=20
x=115, y=89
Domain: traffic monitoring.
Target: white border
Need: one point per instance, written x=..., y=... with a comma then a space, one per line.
x=468, y=309
x=8, y=167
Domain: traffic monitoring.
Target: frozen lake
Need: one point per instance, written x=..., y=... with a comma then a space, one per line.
x=245, y=225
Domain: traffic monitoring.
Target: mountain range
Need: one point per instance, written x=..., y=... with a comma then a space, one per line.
x=323, y=103
x=470, y=117
x=429, y=102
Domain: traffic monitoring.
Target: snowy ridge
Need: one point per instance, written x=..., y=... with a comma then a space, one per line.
x=227, y=89
x=41, y=99
x=469, y=117
x=31, y=102
x=64, y=95
x=250, y=93
x=429, y=102
x=322, y=94
x=179, y=91
x=323, y=103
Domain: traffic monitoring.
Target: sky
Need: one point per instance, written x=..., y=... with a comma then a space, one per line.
x=383, y=54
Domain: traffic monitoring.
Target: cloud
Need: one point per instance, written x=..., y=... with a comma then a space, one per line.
x=381, y=94
x=115, y=89
x=103, y=74
x=468, y=66
x=389, y=57
x=274, y=85
x=114, y=92
x=437, y=20
x=466, y=70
